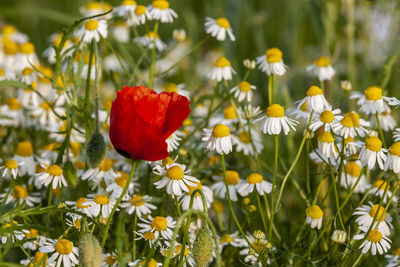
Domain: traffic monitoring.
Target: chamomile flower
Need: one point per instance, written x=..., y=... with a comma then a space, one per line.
x=254, y=182
x=38, y=239
x=19, y=194
x=222, y=70
x=149, y=237
x=52, y=174
x=197, y=199
x=326, y=144
x=175, y=178
x=38, y=259
x=379, y=187
x=218, y=28
x=62, y=250
x=231, y=239
x=351, y=147
x=366, y=213
x=104, y=170
x=145, y=262
x=250, y=145
x=28, y=75
x=393, y=260
x=261, y=246
x=11, y=168
x=81, y=204
x=233, y=180
x=249, y=112
x=275, y=121
x=11, y=235
x=121, y=31
x=314, y=216
x=392, y=161
x=12, y=111
x=96, y=8
x=10, y=32
x=92, y=29
x=300, y=112
x=350, y=125
x=371, y=101
x=160, y=226
x=24, y=158
x=219, y=139
x=27, y=56
x=272, y=62
x=50, y=52
x=116, y=186
x=386, y=120
x=45, y=117
x=173, y=140
x=315, y=100
x=322, y=68
x=243, y=91
x=139, y=204
x=126, y=8
x=372, y=152
x=176, y=251
x=160, y=10
x=326, y=118
x=177, y=88
x=339, y=236
x=375, y=240
x=228, y=117
x=100, y=205
x=110, y=260
x=352, y=171
x=138, y=17
x=149, y=40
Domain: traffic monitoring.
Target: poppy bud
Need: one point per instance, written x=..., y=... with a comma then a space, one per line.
x=203, y=247
x=95, y=149
x=90, y=254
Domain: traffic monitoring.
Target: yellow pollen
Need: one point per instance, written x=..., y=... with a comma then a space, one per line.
x=75, y=148
x=160, y=4
x=373, y=93
x=274, y=55
x=79, y=203
x=381, y=184
x=219, y=207
x=314, y=211
x=128, y=3
x=91, y=24
x=151, y=263
x=27, y=48
x=223, y=22
x=77, y=224
x=122, y=180
x=159, y=223
x=137, y=201
x=101, y=200
x=348, y=140
x=244, y=86
x=259, y=245
x=327, y=116
x=244, y=138
x=175, y=173
x=47, y=73
x=32, y=233
x=79, y=165
x=378, y=209
x=375, y=236
x=254, y=178
x=27, y=71
x=178, y=250
x=192, y=188
x=395, y=149
x=39, y=257
x=230, y=113
x=24, y=149
x=110, y=260
x=93, y=5
x=8, y=29
x=54, y=170
x=105, y=165
x=19, y=192
x=13, y=104
x=232, y=177
x=226, y=238
x=63, y=246
x=10, y=47
x=322, y=62
x=222, y=62
x=314, y=90
x=167, y=161
x=275, y=111
x=2, y=72
x=140, y=10
x=45, y=106
x=11, y=164
x=220, y=130
x=326, y=137
x=187, y=122
x=373, y=143
x=171, y=87
x=304, y=106
x=353, y=169
x=149, y=235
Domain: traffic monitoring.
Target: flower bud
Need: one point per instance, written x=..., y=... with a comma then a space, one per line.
x=203, y=247
x=346, y=85
x=95, y=149
x=179, y=35
x=339, y=236
x=90, y=254
x=258, y=234
x=250, y=64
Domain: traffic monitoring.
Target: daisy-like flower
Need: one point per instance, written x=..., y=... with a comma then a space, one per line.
x=149, y=237
x=228, y=118
x=175, y=178
x=139, y=204
x=149, y=40
x=314, y=216
x=126, y=8
x=352, y=171
x=249, y=64
x=158, y=225
x=28, y=75
x=12, y=111
x=173, y=140
x=52, y=174
x=222, y=70
x=393, y=158
x=116, y=186
x=366, y=213
x=247, y=144
x=350, y=125
x=177, y=88
x=261, y=246
x=326, y=144
x=372, y=152
x=38, y=239
x=386, y=120
x=104, y=170
x=376, y=241
x=96, y=8
x=197, y=199
x=39, y=259
x=159, y=10
x=254, y=182
x=92, y=29
x=379, y=188
x=249, y=112
x=243, y=91
x=272, y=62
x=345, y=85
x=339, y=236
x=231, y=239
x=275, y=121
x=326, y=118
x=371, y=101
x=138, y=17
x=315, y=100
x=219, y=139
x=110, y=260
x=176, y=251
x=121, y=32
x=14, y=235
x=351, y=147
x=219, y=188
x=45, y=117
x=11, y=168
x=20, y=194
x=145, y=262
x=100, y=204
x=63, y=252
x=26, y=56
x=300, y=112
x=218, y=28
x=322, y=68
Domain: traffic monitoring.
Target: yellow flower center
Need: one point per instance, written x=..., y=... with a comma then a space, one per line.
x=304, y=106
x=171, y=87
x=160, y=4
x=226, y=238
x=381, y=184
x=19, y=192
x=222, y=62
x=167, y=161
x=274, y=55
x=353, y=169
x=137, y=201
x=192, y=188
x=351, y=119
x=45, y=106
x=27, y=48
x=93, y=5
x=322, y=62
x=373, y=93
x=327, y=116
x=232, y=177
x=375, y=236
x=178, y=249
x=152, y=35
x=79, y=165
x=110, y=260
x=348, y=140
x=230, y=113
x=27, y=71
x=10, y=47
x=54, y=170
x=39, y=257
x=24, y=149
x=259, y=245
x=121, y=180
x=151, y=263
x=159, y=223
x=91, y=24
x=223, y=22
x=175, y=173
x=13, y=104
x=254, y=178
x=11, y=164
x=79, y=203
x=244, y=86
x=75, y=148
x=378, y=209
x=275, y=111
x=314, y=90
x=32, y=233
x=101, y=200
x=397, y=252
x=63, y=246
x=395, y=149
x=105, y=165
x=373, y=143
x=220, y=130
x=149, y=235
x=128, y=3
x=2, y=72
x=244, y=138
x=140, y=10
x=8, y=29
x=314, y=211
x=326, y=137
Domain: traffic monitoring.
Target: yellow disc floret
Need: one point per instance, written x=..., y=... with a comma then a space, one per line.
x=80, y=203
x=314, y=90
x=381, y=184
x=27, y=48
x=373, y=143
x=375, y=236
x=19, y=192
x=230, y=113
x=322, y=62
x=395, y=149
x=13, y=104
x=244, y=86
x=244, y=138
x=222, y=62
x=223, y=22
x=11, y=164
x=353, y=169
x=105, y=165
x=171, y=87
x=137, y=201
x=327, y=116
x=232, y=177
x=160, y=4
x=121, y=180
x=175, y=173
x=91, y=24
x=326, y=137
x=314, y=211
x=149, y=235
x=274, y=55
x=275, y=111
x=101, y=199
x=159, y=223
x=378, y=209
x=63, y=246
x=373, y=93
x=54, y=170
x=220, y=130
x=24, y=149
x=140, y=10
x=254, y=178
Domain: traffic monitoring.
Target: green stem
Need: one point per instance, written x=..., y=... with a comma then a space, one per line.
x=380, y=129
x=261, y=211
x=271, y=222
x=178, y=209
x=336, y=195
x=270, y=89
x=153, y=57
x=134, y=237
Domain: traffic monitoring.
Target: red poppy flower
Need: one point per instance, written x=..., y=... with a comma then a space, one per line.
x=141, y=120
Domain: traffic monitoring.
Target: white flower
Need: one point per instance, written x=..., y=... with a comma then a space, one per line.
x=104, y=170
x=350, y=174
x=126, y=8
x=314, y=216
x=375, y=240
x=52, y=174
x=371, y=101
x=350, y=125
x=82, y=204
x=24, y=158
x=379, y=188
x=158, y=225
x=20, y=194
x=339, y=236
x=254, y=181
x=148, y=262
x=139, y=204
x=138, y=17
x=93, y=29
x=121, y=32
x=322, y=68
x=116, y=186
x=366, y=213
x=100, y=204
x=233, y=180
x=11, y=168
x=300, y=112
x=219, y=139
x=151, y=39
x=275, y=121
x=12, y=113
x=393, y=158
x=222, y=70
x=315, y=100
x=243, y=91
x=197, y=199
x=326, y=145
x=386, y=120
x=173, y=140
x=372, y=152
x=272, y=62
x=250, y=145
x=159, y=10
x=219, y=28
x=326, y=118
x=63, y=251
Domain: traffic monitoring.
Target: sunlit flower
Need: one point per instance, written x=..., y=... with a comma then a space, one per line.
x=386, y=121
x=11, y=168
x=160, y=10
x=218, y=28
x=173, y=140
x=371, y=101
x=138, y=17
x=243, y=91
x=81, y=204
x=300, y=112
x=197, y=199
x=350, y=125
x=231, y=239
x=222, y=70
x=52, y=174
x=261, y=246
x=121, y=31
x=315, y=100
x=314, y=216
x=20, y=194
x=376, y=240
x=254, y=182
x=116, y=186
x=139, y=204
x=93, y=29
x=272, y=62
x=326, y=144
x=126, y=8
x=372, y=152
x=249, y=64
x=62, y=250
x=275, y=121
x=352, y=170
x=104, y=170
x=345, y=85
x=233, y=180
x=24, y=158
x=326, y=118
x=11, y=236
x=379, y=187
x=27, y=56
x=339, y=236
x=366, y=213
x=250, y=145
x=322, y=68
x=100, y=205
x=151, y=39
x=110, y=260
x=219, y=139
x=158, y=225
x=392, y=161
x=12, y=114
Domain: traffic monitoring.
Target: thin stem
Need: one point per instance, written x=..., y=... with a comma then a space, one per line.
x=271, y=222
x=336, y=195
x=261, y=211
x=358, y=259
x=270, y=89
x=178, y=209
x=153, y=57
x=134, y=237
x=380, y=129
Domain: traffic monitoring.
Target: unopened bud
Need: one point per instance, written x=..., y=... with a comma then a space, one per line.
x=250, y=64
x=203, y=247
x=339, y=236
x=258, y=234
x=346, y=85
x=179, y=35
x=90, y=254
x=96, y=149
